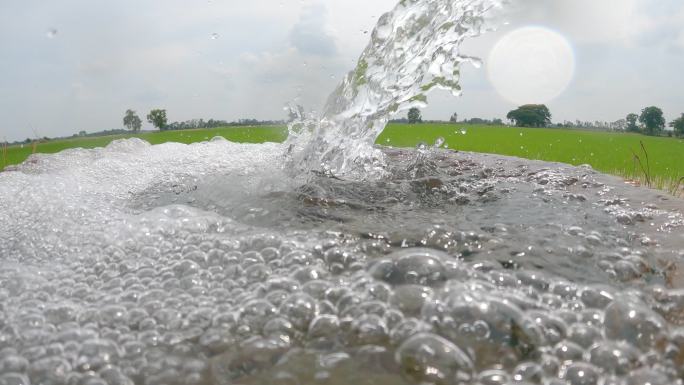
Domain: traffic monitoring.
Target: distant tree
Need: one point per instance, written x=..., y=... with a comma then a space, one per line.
x=132, y=121
x=652, y=119
x=619, y=125
x=632, y=125
x=454, y=118
x=477, y=121
x=530, y=115
x=497, y=122
x=414, y=116
x=158, y=119
x=82, y=133
x=678, y=125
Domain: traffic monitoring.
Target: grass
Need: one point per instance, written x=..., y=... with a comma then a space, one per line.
x=621, y=154
x=660, y=161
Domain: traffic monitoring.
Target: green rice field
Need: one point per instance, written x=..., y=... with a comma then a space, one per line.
x=609, y=152
x=605, y=151
x=17, y=154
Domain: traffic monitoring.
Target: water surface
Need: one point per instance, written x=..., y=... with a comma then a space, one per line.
x=179, y=264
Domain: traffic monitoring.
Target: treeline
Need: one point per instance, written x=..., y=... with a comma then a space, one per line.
x=157, y=118
x=415, y=116
x=618, y=125
x=211, y=123
x=480, y=121
x=650, y=121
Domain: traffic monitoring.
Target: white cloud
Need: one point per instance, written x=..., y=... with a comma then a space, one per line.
x=309, y=34
x=659, y=24
x=586, y=21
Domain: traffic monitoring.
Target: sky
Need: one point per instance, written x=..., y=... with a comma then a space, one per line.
x=73, y=65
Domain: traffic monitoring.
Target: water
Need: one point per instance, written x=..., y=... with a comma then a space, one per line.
x=210, y=264
x=413, y=50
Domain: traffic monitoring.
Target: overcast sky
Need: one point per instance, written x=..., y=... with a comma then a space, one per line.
x=73, y=65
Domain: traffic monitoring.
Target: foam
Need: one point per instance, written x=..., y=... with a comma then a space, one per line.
x=104, y=279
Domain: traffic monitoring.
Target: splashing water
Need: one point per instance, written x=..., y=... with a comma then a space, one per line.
x=413, y=50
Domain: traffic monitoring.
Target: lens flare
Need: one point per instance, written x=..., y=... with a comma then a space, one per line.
x=531, y=65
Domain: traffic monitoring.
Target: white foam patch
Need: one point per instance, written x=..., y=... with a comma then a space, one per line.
x=56, y=201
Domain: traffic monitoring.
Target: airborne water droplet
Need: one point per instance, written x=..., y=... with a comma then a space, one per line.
x=214, y=36
x=477, y=63
x=51, y=33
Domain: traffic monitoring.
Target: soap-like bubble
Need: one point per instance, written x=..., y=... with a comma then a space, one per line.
x=428, y=358
x=629, y=320
x=414, y=266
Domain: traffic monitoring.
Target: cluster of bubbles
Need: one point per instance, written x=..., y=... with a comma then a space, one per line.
x=96, y=291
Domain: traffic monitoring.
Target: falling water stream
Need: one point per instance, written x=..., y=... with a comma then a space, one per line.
x=210, y=263
x=413, y=50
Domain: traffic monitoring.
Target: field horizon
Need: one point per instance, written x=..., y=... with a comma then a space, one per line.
x=616, y=153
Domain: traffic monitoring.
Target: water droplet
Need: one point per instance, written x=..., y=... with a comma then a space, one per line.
x=477, y=63
x=51, y=33
x=214, y=36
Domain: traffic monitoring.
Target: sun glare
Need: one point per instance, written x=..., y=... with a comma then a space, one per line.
x=531, y=65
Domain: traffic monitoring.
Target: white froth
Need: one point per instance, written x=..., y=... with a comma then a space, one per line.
x=95, y=289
